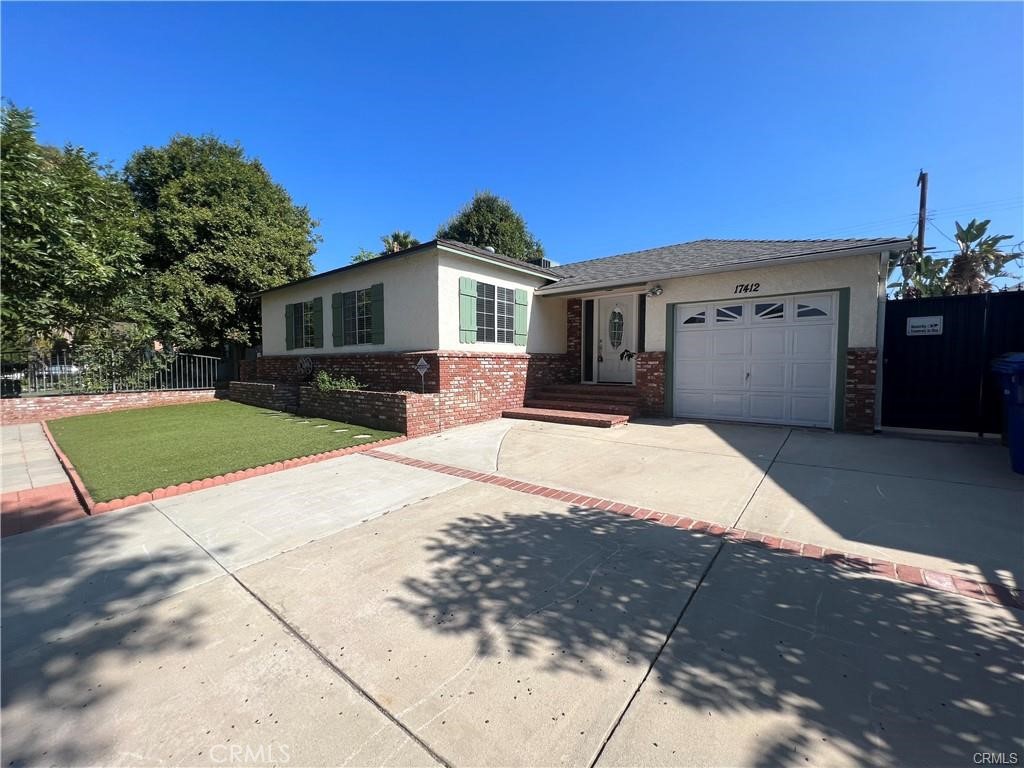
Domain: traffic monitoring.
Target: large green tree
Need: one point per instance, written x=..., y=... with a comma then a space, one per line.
x=490, y=221
x=219, y=230
x=69, y=232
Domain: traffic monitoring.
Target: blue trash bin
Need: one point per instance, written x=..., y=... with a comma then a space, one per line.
x=1010, y=370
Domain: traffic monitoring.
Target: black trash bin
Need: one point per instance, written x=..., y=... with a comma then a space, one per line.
x=1010, y=370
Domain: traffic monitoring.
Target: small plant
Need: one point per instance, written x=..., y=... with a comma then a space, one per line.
x=325, y=382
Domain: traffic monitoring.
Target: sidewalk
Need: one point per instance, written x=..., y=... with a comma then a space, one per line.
x=34, y=490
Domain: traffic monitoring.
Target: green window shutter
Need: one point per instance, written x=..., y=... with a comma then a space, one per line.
x=337, y=323
x=377, y=312
x=467, y=310
x=348, y=314
x=318, y=321
x=289, y=326
x=520, y=318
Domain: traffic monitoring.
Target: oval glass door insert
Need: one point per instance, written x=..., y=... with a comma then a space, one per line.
x=616, y=323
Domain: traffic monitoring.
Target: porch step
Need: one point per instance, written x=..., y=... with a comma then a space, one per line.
x=579, y=418
x=551, y=404
x=589, y=393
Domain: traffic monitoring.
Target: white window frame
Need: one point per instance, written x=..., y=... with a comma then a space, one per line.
x=500, y=335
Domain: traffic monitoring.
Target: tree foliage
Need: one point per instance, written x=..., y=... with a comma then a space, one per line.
x=970, y=271
x=69, y=231
x=397, y=241
x=979, y=259
x=490, y=221
x=218, y=230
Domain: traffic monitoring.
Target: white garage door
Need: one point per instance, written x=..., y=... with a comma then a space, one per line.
x=769, y=359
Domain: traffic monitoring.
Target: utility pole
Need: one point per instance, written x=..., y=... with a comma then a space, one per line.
x=922, y=182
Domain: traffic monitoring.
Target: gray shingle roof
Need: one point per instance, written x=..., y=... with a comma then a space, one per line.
x=699, y=256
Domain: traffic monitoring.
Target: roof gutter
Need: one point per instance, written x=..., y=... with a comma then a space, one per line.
x=739, y=266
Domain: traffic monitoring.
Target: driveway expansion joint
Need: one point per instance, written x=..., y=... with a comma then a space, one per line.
x=997, y=594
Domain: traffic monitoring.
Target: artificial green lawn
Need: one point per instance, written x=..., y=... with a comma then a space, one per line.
x=122, y=453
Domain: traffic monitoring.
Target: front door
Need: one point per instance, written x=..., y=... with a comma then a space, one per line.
x=615, y=339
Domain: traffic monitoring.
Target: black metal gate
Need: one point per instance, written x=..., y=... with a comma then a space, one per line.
x=936, y=378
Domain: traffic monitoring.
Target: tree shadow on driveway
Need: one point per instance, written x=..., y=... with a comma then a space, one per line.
x=844, y=667
x=72, y=601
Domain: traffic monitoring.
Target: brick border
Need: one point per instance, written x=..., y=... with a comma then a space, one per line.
x=996, y=594
x=94, y=508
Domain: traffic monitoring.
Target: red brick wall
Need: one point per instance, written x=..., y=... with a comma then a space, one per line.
x=382, y=371
x=859, y=396
x=275, y=396
x=650, y=382
x=574, y=336
x=21, y=410
x=247, y=370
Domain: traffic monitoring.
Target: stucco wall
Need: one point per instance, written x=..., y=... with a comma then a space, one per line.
x=545, y=316
x=858, y=273
x=410, y=298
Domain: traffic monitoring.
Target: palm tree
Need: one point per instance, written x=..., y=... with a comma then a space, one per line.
x=979, y=259
x=398, y=241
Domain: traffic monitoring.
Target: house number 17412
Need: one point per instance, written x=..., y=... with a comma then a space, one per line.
x=747, y=288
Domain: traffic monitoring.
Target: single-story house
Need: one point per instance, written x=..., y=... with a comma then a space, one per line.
x=764, y=331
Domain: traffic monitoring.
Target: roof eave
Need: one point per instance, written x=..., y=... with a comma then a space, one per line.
x=739, y=266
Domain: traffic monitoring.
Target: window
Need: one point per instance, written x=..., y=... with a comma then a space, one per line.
x=495, y=313
x=357, y=317
x=813, y=308
x=303, y=324
x=697, y=318
x=616, y=324
x=770, y=310
x=729, y=314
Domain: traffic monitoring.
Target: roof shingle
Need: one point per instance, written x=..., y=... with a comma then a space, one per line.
x=697, y=256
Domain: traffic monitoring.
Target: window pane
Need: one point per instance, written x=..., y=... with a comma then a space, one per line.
x=364, y=317
x=505, y=308
x=695, y=319
x=729, y=314
x=485, y=300
x=307, y=324
x=772, y=310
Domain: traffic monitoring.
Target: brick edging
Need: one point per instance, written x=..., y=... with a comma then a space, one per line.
x=996, y=594
x=94, y=508
x=69, y=469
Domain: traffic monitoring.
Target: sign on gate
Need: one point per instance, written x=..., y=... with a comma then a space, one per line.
x=924, y=326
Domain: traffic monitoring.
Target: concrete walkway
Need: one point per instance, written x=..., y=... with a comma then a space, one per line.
x=363, y=612
x=34, y=489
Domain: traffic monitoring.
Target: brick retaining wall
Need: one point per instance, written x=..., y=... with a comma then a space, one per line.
x=275, y=396
x=20, y=410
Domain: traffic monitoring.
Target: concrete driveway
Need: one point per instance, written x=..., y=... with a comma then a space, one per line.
x=366, y=612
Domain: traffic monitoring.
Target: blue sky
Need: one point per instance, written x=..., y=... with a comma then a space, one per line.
x=609, y=127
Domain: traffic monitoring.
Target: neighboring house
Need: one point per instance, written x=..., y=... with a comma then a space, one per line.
x=781, y=332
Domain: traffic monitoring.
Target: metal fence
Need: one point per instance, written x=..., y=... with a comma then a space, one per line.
x=28, y=374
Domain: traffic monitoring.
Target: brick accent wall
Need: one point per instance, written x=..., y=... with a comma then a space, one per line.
x=277, y=396
x=382, y=371
x=21, y=410
x=650, y=382
x=247, y=370
x=574, y=337
x=859, y=395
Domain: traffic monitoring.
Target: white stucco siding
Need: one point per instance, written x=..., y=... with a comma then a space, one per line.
x=410, y=306
x=545, y=316
x=858, y=273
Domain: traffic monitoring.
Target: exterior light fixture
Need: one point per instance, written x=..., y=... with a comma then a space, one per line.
x=656, y=290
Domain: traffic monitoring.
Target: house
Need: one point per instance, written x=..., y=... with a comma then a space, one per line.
x=766, y=331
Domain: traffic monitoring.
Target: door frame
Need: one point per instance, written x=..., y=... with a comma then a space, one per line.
x=842, y=340
x=632, y=297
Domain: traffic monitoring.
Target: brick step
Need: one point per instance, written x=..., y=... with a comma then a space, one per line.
x=589, y=394
x=623, y=409
x=582, y=419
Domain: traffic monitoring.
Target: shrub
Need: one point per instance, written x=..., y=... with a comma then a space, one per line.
x=325, y=382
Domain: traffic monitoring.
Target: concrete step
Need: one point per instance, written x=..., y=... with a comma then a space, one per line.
x=622, y=409
x=579, y=418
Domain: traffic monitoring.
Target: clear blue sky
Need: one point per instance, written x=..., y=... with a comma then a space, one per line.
x=609, y=127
